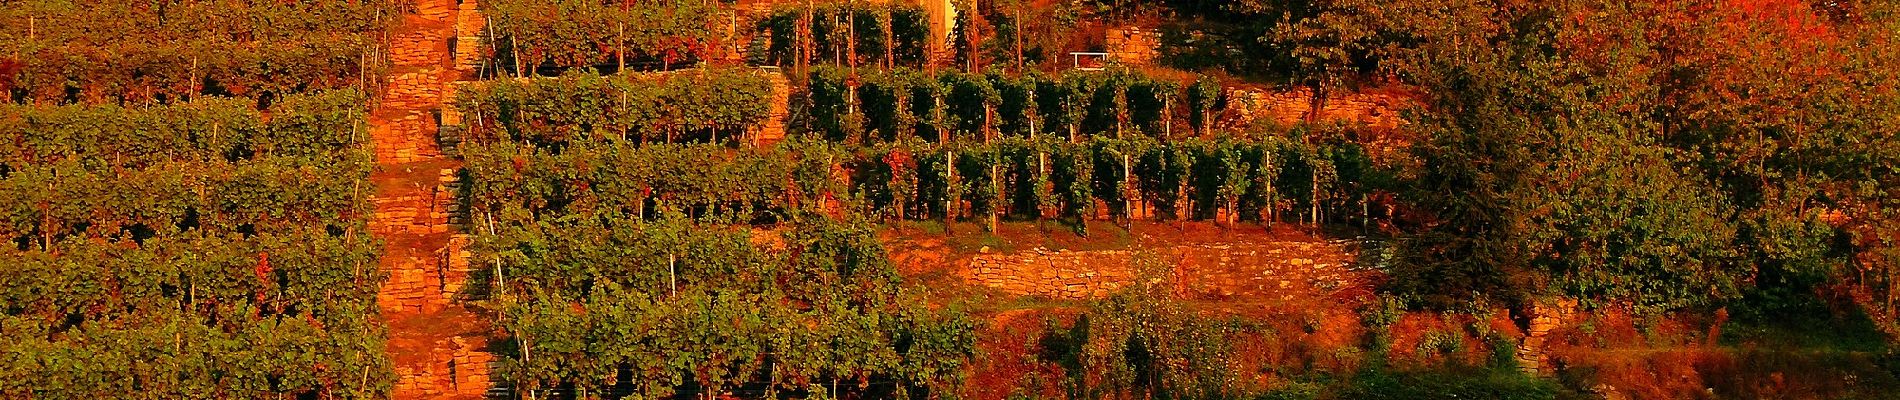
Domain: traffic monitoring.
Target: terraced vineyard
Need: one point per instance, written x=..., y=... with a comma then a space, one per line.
x=671, y=199
x=193, y=248
x=186, y=197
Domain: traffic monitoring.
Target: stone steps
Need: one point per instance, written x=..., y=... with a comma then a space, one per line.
x=426, y=259
x=469, y=47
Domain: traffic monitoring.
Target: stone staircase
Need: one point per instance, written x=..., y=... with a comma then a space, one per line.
x=438, y=347
x=773, y=130
x=470, y=49
x=1545, y=316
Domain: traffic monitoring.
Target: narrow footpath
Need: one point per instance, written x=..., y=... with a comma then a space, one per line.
x=437, y=345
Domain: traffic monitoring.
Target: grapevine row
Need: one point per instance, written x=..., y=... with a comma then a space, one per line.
x=41, y=203
x=886, y=35
x=528, y=34
x=696, y=104
x=329, y=278
x=135, y=51
x=883, y=105
x=204, y=129
x=178, y=356
x=1192, y=178
x=613, y=304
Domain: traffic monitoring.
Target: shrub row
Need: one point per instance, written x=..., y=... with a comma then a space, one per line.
x=306, y=273
x=180, y=356
x=612, y=305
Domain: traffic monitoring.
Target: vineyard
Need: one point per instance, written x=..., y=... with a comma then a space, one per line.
x=529, y=34
x=886, y=35
x=613, y=209
x=195, y=248
x=673, y=199
x=134, y=52
x=938, y=148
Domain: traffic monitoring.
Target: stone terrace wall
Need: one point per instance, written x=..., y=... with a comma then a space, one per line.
x=1058, y=274
x=1133, y=45
x=1273, y=271
x=1247, y=106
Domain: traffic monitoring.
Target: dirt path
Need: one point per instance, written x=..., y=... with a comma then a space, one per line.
x=436, y=344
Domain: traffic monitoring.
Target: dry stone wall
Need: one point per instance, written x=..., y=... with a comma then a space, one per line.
x=1248, y=106
x=1133, y=45
x=1269, y=271
x=1545, y=317
x=470, y=51
x=1058, y=274
x=773, y=130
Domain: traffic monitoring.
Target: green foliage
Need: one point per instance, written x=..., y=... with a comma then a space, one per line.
x=1150, y=105
x=1073, y=180
x=1481, y=384
x=1548, y=192
x=1204, y=101
x=1142, y=343
x=970, y=102
x=48, y=202
x=829, y=99
x=519, y=183
x=1162, y=171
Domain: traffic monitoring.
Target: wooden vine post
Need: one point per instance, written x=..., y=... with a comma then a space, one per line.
x=890, y=38
x=1129, y=192
x=620, y=46
x=1273, y=208
x=950, y=198
x=1019, y=36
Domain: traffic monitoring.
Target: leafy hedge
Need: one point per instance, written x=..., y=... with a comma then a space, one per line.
x=585, y=33
x=138, y=51
x=522, y=182
x=696, y=104
x=185, y=313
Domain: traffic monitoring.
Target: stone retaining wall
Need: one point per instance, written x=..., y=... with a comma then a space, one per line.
x=1375, y=109
x=1281, y=271
x=1058, y=274
x=1133, y=45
